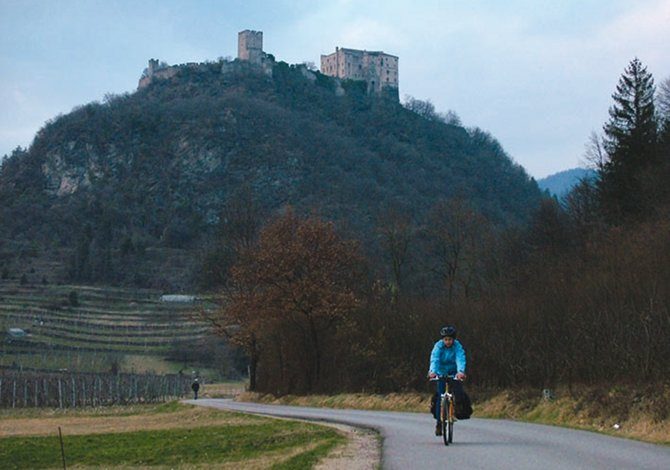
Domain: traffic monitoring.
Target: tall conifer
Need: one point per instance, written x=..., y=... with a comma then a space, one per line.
x=631, y=144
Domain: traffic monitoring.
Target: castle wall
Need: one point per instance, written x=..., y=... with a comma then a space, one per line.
x=153, y=72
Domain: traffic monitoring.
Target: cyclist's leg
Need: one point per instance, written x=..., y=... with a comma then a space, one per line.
x=441, y=387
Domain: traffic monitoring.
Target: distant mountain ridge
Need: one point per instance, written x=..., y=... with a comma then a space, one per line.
x=156, y=167
x=561, y=183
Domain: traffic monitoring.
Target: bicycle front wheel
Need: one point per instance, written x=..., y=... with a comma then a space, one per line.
x=444, y=420
x=450, y=422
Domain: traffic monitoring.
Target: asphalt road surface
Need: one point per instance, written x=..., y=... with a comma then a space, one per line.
x=409, y=441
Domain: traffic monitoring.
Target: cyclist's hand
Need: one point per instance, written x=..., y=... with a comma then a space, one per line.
x=432, y=375
x=460, y=376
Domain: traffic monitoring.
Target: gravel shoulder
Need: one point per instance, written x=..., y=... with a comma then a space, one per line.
x=361, y=452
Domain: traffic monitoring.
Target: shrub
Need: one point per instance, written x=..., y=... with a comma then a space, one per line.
x=73, y=298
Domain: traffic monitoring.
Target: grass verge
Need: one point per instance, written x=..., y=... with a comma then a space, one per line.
x=177, y=436
x=641, y=413
x=634, y=412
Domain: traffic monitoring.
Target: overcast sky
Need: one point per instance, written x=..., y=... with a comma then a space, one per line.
x=536, y=74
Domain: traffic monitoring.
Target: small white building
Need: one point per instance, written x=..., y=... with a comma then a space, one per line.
x=16, y=333
x=185, y=299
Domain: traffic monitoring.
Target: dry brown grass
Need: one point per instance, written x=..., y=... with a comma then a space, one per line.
x=222, y=390
x=77, y=423
x=640, y=414
x=584, y=410
x=361, y=401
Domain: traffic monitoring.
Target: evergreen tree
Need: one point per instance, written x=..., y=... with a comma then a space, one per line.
x=630, y=145
x=663, y=175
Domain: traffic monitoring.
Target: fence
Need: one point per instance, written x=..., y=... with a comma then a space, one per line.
x=71, y=390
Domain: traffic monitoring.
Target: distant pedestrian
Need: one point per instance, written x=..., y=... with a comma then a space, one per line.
x=195, y=387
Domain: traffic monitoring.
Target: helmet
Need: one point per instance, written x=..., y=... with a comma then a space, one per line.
x=448, y=331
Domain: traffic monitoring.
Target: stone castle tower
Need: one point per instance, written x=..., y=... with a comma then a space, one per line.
x=250, y=46
x=378, y=69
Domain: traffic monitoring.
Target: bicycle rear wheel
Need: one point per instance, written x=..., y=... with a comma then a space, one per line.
x=444, y=419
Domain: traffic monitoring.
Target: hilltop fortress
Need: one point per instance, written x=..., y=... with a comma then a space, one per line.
x=377, y=69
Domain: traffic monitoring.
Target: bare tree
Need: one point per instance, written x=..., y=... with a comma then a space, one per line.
x=299, y=277
x=595, y=155
x=396, y=232
x=423, y=108
x=457, y=233
x=663, y=99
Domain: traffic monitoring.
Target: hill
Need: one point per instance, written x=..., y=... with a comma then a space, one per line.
x=561, y=183
x=111, y=182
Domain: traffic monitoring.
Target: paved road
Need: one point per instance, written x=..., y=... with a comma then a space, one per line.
x=409, y=442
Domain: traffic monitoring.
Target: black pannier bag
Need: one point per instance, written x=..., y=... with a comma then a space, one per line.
x=463, y=405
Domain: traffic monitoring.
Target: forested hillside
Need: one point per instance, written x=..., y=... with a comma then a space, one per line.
x=579, y=297
x=108, y=184
x=353, y=228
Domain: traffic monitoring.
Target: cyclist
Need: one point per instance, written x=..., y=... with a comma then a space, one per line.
x=447, y=358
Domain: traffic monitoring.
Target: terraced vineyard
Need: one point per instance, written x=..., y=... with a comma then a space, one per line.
x=84, y=328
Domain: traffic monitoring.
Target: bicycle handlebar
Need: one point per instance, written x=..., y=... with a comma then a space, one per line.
x=443, y=377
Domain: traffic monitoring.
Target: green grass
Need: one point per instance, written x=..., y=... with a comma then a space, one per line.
x=172, y=447
x=310, y=458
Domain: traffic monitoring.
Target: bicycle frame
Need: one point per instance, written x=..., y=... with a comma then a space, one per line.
x=447, y=409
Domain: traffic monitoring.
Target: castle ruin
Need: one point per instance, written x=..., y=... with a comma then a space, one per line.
x=250, y=50
x=378, y=69
x=250, y=46
x=154, y=70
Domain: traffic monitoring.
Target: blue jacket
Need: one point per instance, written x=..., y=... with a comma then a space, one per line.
x=447, y=361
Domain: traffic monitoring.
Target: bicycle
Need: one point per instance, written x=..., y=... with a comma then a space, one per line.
x=447, y=409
